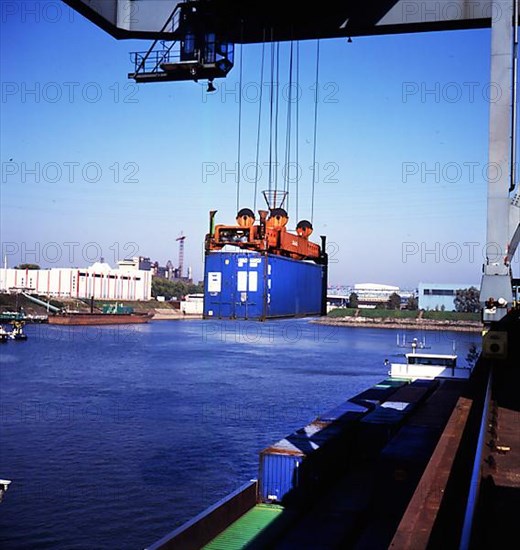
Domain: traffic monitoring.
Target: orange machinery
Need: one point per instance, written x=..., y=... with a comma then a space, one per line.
x=269, y=235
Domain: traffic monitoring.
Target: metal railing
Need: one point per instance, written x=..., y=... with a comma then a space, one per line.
x=151, y=61
x=174, y=20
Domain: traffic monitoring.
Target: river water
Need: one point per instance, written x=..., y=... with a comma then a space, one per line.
x=114, y=436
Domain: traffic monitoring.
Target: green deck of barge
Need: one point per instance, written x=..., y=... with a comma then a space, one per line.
x=251, y=528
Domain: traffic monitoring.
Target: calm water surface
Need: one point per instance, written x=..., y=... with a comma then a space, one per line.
x=113, y=436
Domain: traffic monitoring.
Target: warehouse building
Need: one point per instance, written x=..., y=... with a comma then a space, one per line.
x=372, y=295
x=100, y=281
x=440, y=296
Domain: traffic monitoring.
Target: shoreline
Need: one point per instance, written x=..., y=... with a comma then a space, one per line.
x=186, y=317
x=417, y=324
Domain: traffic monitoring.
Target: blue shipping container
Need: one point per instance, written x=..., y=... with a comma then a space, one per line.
x=376, y=394
x=282, y=466
x=279, y=473
x=346, y=412
x=412, y=445
x=380, y=425
x=250, y=285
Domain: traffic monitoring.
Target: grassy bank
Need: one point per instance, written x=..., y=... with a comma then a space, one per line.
x=403, y=314
x=13, y=302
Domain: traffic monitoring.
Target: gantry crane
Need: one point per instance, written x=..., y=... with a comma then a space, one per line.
x=194, y=40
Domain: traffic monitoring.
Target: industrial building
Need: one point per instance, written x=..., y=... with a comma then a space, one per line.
x=169, y=271
x=371, y=295
x=440, y=296
x=100, y=280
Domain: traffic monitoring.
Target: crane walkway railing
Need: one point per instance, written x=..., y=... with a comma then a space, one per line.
x=141, y=58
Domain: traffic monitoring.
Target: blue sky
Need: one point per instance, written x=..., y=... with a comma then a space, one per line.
x=93, y=159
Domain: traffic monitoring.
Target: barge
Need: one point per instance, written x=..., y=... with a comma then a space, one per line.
x=342, y=480
x=110, y=315
x=78, y=318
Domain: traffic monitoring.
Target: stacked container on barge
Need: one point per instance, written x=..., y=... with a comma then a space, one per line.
x=342, y=481
x=262, y=270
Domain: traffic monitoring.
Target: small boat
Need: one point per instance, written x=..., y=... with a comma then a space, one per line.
x=17, y=333
x=4, y=335
x=428, y=366
x=4, y=485
x=8, y=316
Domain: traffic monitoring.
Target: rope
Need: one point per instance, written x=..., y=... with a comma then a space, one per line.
x=315, y=129
x=257, y=160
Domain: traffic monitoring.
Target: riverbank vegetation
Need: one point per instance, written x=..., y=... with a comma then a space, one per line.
x=403, y=314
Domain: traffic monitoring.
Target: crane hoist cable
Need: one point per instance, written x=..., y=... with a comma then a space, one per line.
x=287, y=161
x=273, y=118
x=297, y=125
x=271, y=105
x=277, y=98
x=257, y=159
x=239, y=146
x=315, y=128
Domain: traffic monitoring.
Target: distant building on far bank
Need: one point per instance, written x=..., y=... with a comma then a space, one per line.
x=139, y=263
x=170, y=272
x=193, y=304
x=128, y=282
x=440, y=296
x=371, y=295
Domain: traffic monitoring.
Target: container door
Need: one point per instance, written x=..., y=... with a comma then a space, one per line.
x=249, y=287
x=227, y=297
x=234, y=286
x=279, y=474
x=219, y=286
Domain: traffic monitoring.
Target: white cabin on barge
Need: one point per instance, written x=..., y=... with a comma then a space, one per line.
x=429, y=366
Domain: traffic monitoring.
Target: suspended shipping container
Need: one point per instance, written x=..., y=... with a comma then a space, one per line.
x=255, y=285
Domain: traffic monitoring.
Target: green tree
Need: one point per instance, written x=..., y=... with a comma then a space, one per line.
x=467, y=300
x=171, y=289
x=394, y=301
x=353, y=300
x=27, y=266
x=412, y=303
x=473, y=355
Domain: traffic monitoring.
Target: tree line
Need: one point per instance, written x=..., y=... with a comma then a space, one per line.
x=467, y=300
x=174, y=289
